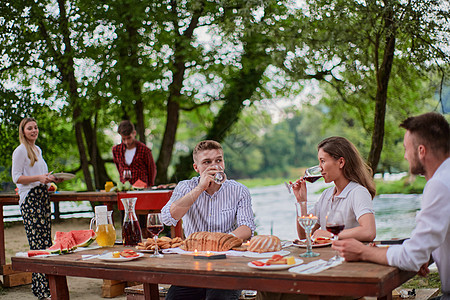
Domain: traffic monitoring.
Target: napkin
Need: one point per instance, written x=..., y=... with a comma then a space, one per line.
x=181, y=251
x=316, y=266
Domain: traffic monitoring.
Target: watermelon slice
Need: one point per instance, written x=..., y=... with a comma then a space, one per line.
x=55, y=249
x=139, y=185
x=32, y=253
x=83, y=238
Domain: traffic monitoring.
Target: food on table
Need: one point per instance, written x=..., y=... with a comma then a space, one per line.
x=163, y=243
x=321, y=240
x=211, y=241
x=116, y=254
x=52, y=187
x=242, y=247
x=139, y=185
x=128, y=253
x=276, y=259
x=65, y=242
x=32, y=253
x=264, y=243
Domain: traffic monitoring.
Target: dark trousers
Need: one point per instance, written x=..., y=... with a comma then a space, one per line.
x=192, y=293
x=36, y=214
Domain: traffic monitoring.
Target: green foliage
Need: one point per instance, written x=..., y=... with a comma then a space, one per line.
x=417, y=282
x=406, y=185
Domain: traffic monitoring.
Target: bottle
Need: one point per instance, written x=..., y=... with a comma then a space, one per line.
x=131, y=231
x=108, y=186
x=104, y=227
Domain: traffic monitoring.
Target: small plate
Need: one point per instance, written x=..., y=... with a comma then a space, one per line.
x=265, y=254
x=298, y=261
x=65, y=176
x=109, y=257
x=303, y=245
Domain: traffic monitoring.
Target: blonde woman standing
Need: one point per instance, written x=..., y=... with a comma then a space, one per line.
x=30, y=173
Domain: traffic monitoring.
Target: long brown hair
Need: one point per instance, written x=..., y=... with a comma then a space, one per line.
x=32, y=155
x=355, y=168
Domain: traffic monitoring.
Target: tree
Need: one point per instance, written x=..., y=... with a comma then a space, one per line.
x=356, y=46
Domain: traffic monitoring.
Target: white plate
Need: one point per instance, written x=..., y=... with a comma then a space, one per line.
x=265, y=254
x=65, y=176
x=109, y=257
x=313, y=245
x=298, y=261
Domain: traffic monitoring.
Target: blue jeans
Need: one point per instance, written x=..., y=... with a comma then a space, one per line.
x=192, y=293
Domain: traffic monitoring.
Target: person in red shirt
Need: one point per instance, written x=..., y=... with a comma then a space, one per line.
x=133, y=159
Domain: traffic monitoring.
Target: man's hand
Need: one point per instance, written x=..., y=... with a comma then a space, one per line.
x=353, y=250
x=207, y=177
x=424, y=270
x=350, y=249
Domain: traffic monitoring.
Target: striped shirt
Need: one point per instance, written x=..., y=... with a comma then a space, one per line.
x=224, y=211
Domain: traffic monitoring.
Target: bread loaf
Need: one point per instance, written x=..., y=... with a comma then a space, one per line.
x=211, y=241
x=264, y=243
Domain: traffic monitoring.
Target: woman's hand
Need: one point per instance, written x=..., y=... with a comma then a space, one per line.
x=299, y=189
x=45, y=178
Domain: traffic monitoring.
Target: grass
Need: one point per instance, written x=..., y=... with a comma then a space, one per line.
x=429, y=282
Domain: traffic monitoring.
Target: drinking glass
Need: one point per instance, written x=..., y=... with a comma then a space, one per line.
x=154, y=228
x=307, y=223
x=126, y=175
x=220, y=176
x=335, y=224
x=313, y=174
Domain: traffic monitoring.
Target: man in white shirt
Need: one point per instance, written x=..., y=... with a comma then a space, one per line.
x=427, y=149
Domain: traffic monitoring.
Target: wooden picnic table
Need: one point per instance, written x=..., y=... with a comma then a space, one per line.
x=147, y=201
x=348, y=279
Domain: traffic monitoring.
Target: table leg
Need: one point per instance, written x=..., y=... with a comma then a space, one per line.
x=151, y=291
x=58, y=287
x=2, y=240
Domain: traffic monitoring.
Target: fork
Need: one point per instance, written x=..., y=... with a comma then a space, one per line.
x=328, y=263
x=93, y=256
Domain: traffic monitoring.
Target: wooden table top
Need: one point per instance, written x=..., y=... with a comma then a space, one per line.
x=351, y=279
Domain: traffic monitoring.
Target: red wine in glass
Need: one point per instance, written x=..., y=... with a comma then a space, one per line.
x=312, y=178
x=155, y=230
x=335, y=228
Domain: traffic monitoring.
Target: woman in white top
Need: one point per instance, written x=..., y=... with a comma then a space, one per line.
x=30, y=173
x=352, y=194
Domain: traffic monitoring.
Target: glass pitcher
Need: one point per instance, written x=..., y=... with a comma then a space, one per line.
x=103, y=226
x=131, y=231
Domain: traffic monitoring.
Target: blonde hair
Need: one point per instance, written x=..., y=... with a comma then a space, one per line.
x=355, y=168
x=32, y=155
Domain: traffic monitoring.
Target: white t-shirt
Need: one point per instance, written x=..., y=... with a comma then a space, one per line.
x=129, y=154
x=354, y=201
x=431, y=236
x=21, y=166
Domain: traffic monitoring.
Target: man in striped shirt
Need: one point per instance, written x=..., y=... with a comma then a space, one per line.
x=205, y=205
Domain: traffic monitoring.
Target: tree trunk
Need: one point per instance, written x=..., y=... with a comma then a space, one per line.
x=254, y=63
x=383, y=75
x=66, y=66
x=182, y=46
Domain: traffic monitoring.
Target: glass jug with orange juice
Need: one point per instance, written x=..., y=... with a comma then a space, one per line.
x=103, y=226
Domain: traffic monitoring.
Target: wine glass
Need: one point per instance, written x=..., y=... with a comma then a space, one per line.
x=313, y=174
x=126, y=175
x=154, y=228
x=335, y=224
x=220, y=176
x=307, y=223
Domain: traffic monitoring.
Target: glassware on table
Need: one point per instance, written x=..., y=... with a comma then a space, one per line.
x=220, y=176
x=154, y=228
x=307, y=223
x=131, y=231
x=335, y=224
x=103, y=226
x=126, y=175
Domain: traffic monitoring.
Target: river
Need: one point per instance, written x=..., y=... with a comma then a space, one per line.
x=274, y=210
